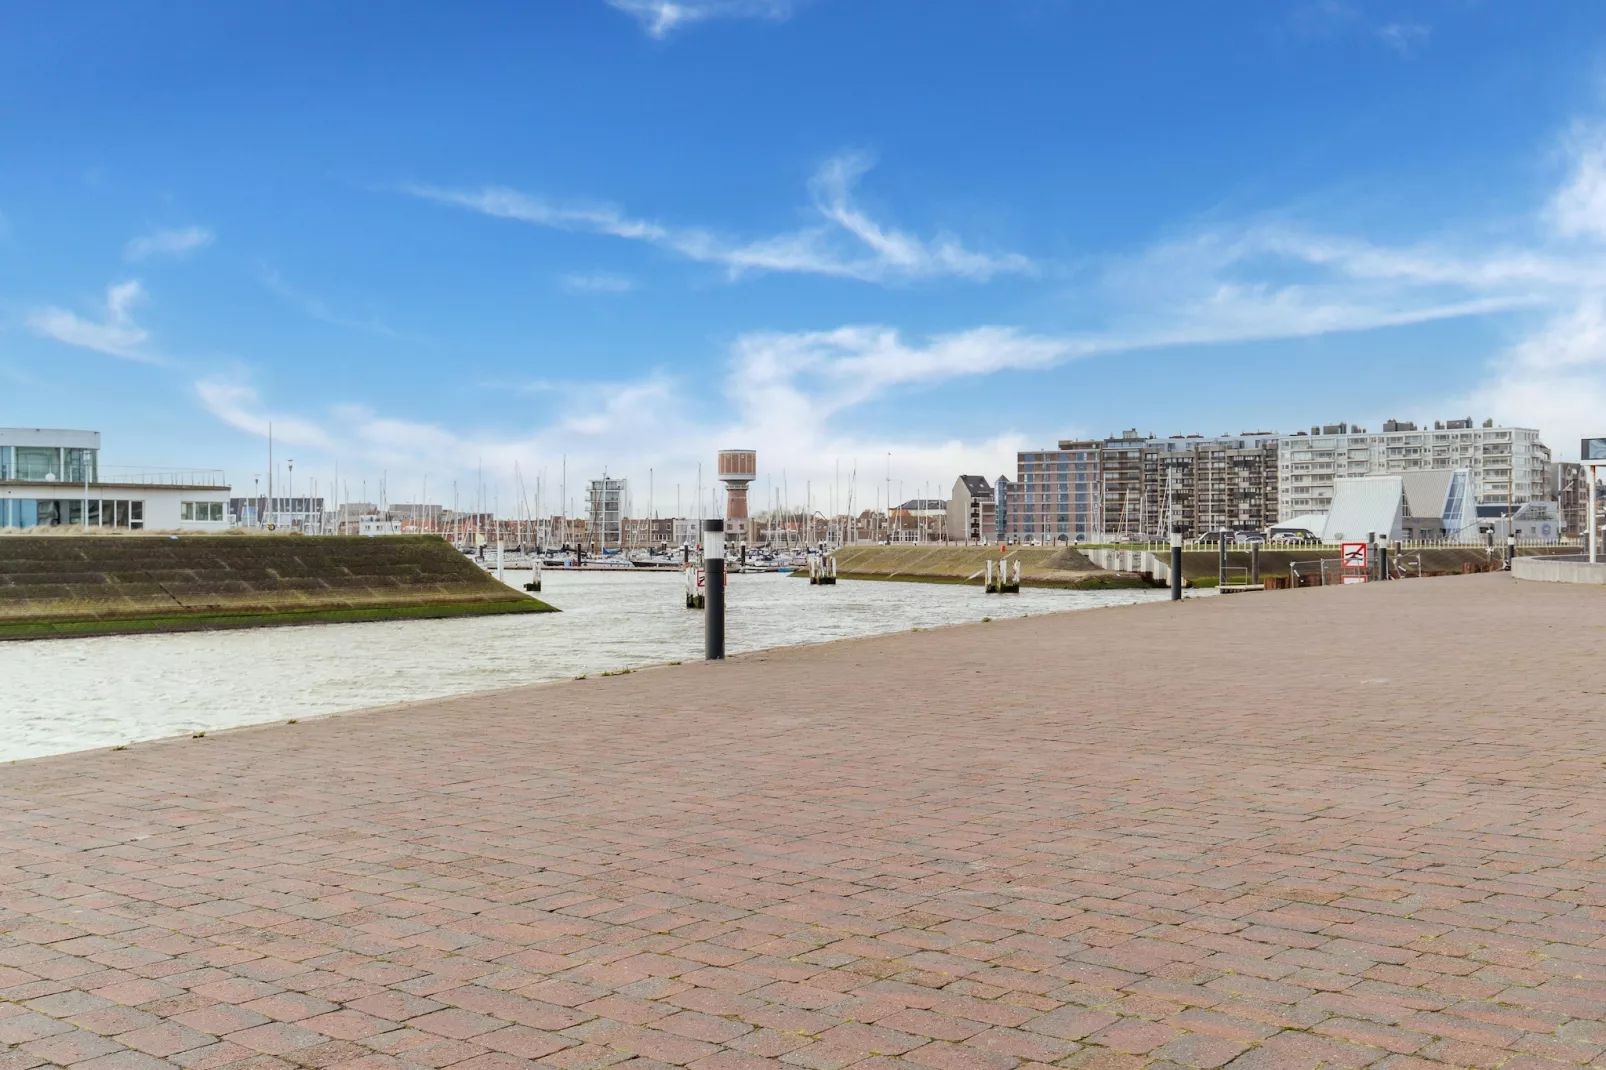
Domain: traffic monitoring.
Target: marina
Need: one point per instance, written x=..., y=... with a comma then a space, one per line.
x=132, y=688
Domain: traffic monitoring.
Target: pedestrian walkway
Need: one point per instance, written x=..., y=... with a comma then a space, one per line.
x=1342, y=826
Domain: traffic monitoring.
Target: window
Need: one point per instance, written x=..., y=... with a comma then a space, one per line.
x=203, y=511
x=38, y=462
x=80, y=465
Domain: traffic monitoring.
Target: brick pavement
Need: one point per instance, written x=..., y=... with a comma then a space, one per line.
x=1332, y=827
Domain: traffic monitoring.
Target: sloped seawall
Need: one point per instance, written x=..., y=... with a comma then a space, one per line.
x=90, y=585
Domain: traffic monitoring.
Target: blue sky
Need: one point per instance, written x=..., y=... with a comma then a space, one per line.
x=423, y=239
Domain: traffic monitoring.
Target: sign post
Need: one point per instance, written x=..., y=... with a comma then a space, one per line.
x=1352, y=556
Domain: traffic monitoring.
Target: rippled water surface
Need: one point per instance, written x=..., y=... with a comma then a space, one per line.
x=72, y=694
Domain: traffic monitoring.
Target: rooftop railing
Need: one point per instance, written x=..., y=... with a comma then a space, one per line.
x=140, y=475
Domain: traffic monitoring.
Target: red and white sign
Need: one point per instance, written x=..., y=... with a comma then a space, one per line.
x=1352, y=554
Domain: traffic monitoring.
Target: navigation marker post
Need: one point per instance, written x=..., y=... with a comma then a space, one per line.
x=714, y=591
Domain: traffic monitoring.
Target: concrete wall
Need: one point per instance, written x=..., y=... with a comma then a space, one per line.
x=1140, y=561
x=1557, y=571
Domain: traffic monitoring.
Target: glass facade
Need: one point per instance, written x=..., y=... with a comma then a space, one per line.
x=48, y=464
x=54, y=512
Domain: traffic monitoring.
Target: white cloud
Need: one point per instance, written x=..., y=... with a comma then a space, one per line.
x=1403, y=37
x=178, y=242
x=847, y=243
x=319, y=309
x=1578, y=210
x=116, y=334
x=660, y=17
x=237, y=405
x=800, y=397
x=597, y=282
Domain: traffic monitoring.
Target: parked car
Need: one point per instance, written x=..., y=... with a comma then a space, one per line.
x=1249, y=538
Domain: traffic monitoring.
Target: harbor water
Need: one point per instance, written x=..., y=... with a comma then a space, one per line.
x=74, y=694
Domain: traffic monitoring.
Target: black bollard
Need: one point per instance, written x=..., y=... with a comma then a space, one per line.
x=1511, y=550
x=1254, y=563
x=714, y=591
x=1176, y=562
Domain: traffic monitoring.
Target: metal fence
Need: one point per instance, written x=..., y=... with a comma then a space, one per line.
x=1393, y=545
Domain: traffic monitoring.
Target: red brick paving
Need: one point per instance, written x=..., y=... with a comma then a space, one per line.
x=1338, y=827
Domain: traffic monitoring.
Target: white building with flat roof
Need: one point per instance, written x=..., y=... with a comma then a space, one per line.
x=52, y=477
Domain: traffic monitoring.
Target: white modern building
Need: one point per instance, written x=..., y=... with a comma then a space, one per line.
x=53, y=478
x=607, y=502
x=1507, y=465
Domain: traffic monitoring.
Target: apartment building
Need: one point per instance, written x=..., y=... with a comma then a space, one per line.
x=1054, y=496
x=970, y=511
x=1508, y=465
x=1134, y=486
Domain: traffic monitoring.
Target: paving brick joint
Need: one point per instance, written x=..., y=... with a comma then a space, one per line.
x=1347, y=827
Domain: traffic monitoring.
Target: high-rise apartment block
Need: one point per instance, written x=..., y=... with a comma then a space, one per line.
x=1134, y=486
x=1508, y=464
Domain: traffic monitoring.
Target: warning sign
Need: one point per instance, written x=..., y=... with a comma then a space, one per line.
x=1352, y=554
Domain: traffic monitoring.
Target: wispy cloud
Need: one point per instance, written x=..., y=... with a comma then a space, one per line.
x=320, y=309
x=237, y=404
x=177, y=242
x=1404, y=37
x=597, y=282
x=1330, y=19
x=659, y=18
x=846, y=243
x=116, y=334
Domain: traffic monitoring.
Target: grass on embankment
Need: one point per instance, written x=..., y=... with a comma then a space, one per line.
x=205, y=622
x=92, y=585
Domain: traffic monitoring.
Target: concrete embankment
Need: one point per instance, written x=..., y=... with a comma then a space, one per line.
x=97, y=585
x=1559, y=570
x=1040, y=566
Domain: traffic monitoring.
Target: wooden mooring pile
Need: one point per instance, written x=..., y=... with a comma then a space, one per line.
x=822, y=570
x=1000, y=582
